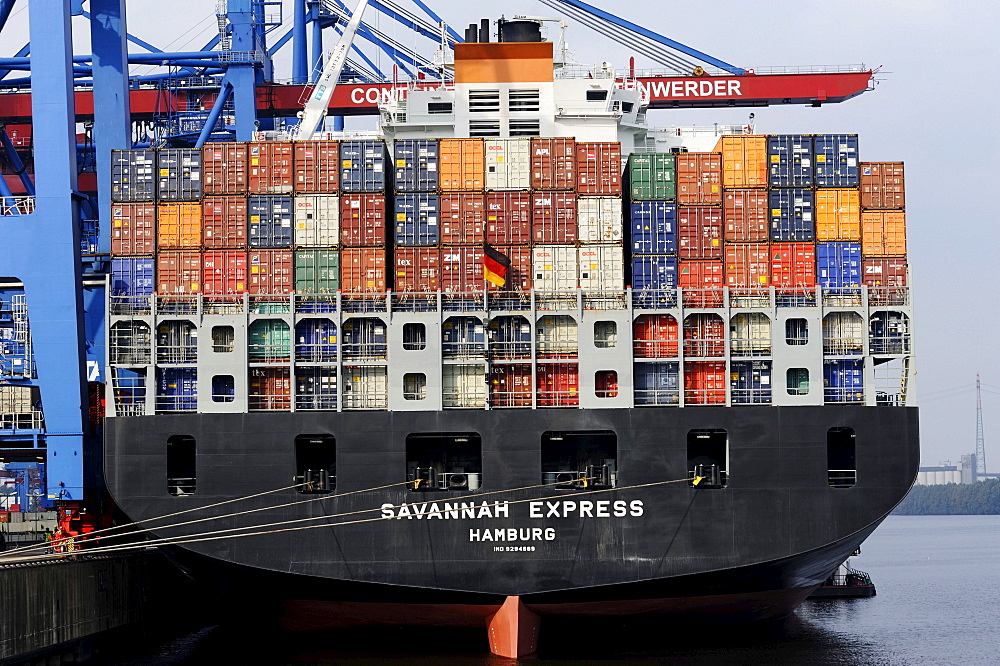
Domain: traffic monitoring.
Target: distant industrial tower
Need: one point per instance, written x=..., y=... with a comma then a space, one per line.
x=980, y=441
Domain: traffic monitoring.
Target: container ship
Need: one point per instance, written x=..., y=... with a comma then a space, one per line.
x=513, y=356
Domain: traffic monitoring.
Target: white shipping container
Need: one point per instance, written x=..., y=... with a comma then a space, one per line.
x=557, y=336
x=602, y=268
x=843, y=333
x=750, y=334
x=554, y=267
x=464, y=386
x=317, y=220
x=17, y=399
x=365, y=387
x=508, y=164
x=599, y=219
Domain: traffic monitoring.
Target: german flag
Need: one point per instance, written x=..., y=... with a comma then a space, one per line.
x=495, y=265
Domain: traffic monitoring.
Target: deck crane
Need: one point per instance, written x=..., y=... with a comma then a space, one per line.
x=317, y=105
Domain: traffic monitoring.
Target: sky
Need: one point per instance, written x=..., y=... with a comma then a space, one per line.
x=934, y=108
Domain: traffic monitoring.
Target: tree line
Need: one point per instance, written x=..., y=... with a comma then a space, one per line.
x=981, y=498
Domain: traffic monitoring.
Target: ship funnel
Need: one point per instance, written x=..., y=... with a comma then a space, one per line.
x=520, y=31
x=472, y=33
x=484, y=30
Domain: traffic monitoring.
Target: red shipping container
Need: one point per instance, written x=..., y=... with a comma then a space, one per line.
x=462, y=269
x=317, y=167
x=417, y=269
x=133, y=229
x=519, y=271
x=704, y=335
x=463, y=217
x=553, y=217
x=886, y=279
x=508, y=217
x=224, y=168
x=793, y=267
x=882, y=185
x=599, y=168
x=558, y=384
x=362, y=220
x=362, y=270
x=699, y=232
x=270, y=167
x=224, y=272
x=178, y=272
x=699, y=178
x=224, y=222
x=748, y=267
x=702, y=281
x=270, y=389
x=510, y=385
x=655, y=336
x=705, y=383
x=553, y=164
x=271, y=272
x=745, y=216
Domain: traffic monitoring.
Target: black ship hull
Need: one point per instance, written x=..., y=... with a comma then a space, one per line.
x=378, y=551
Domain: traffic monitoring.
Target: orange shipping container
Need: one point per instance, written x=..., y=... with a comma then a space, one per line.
x=745, y=215
x=705, y=383
x=224, y=166
x=270, y=166
x=178, y=272
x=133, y=229
x=224, y=222
x=553, y=164
x=178, y=226
x=362, y=270
x=462, y=165
x=793, y=267
x=702, y=280
x=599, y=168
x=417, y=269
x=463, y=217
x=317, y=166
x=838, y=215
x=744, y=160
x=883, y=233
x=655, y=336
x=882, y=185
x=271, y=272
x=699, y=178
x=748, y=267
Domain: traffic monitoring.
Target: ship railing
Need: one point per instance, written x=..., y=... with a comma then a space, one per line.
x=849, y=346
x=511, y=399
x=750, y=298
x=886, y=399
x=896, y=345
x=796, y=296
x=457, y=301
x=33, y=420
x=131, y=305
x=365, y=302
x=279, y=400
x=223, y=305
x=319, y=352
x=705, y=348
x=459, y=399
x=463, y=349
x=704, y=396
x=313, y=402
x=279, y=352
x=654, y=299
x=750, y=396
x=366, y=400
x=177, y=304
x=168, y=404
x=749, y=347
x=404, y=301
x=558, y=300
x=508, y=300
x=510, y=351
x=365, y=350
x=844, y=395
x=655, y=349
x=842, y=297
x=880, y=296
x=177, y=354
x=17, y=205
x=269, y=303
x=605, y=300
x=315, y=303
x=558, y=349
x=561, y=398
x=842, y=478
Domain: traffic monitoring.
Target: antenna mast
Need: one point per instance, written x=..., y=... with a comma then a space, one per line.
x=980, y=441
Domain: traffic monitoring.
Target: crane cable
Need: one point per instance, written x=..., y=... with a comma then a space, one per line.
x=217, y=535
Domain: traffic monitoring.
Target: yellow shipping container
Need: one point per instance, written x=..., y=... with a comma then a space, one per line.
x=883, y=233
x=462, y=164
x=838, y=215
x=744, y=160
x=179, y=226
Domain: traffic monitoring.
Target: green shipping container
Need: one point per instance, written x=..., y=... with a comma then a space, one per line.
x=317, y=271
x=651, y=177
x=270, y=340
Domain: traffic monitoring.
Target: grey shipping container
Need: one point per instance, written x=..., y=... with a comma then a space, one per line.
x=270, y=221
x=133, y=175
x=179, y=174
x=362, y=166
x=416, y=163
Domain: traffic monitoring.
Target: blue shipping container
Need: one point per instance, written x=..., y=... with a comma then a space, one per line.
x=362, y=166
x=417, y=218
x=656, y=383
x=463, y=336
x=315, y=388
x=270, y=221
x=789, y=159
x=836, y=158
x=838, y=265
x=416, y=165
x=179, y=174
x=364, y=337
x=176, y=389
x=843, y=381
x=792, y=215
x=654, y=227
x=654, y=281
x=316, y=341
x=133, y=175
x=750, y=382
x=133, y=276
x=889, y=333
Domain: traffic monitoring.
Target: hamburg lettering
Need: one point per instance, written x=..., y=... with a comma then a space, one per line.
x=513, y=534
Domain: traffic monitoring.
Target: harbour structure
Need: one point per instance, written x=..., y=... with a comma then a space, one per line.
x=509, y=406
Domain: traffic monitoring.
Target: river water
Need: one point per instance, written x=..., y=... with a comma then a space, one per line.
x=937, y=577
